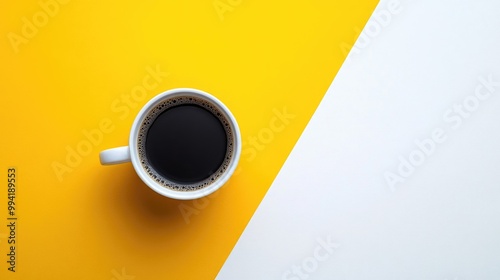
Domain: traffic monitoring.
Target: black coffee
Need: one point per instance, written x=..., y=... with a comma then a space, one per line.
x=185, y=143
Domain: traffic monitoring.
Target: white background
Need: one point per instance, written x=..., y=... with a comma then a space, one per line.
x=443, y=222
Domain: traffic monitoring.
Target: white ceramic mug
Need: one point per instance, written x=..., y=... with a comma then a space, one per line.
x=161, y=185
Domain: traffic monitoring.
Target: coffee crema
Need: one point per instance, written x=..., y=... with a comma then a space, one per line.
x=185, y=143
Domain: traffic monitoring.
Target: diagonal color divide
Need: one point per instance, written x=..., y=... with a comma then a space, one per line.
x=420, y=102
x=269, y=62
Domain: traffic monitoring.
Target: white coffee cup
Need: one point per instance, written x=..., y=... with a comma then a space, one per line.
x=146, y=172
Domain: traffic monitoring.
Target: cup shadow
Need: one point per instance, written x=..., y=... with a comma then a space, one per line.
x=127, y=206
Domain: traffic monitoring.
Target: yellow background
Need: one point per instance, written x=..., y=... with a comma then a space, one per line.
x=81, y=63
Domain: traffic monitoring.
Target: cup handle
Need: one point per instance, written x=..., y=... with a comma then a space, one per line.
x=115, y=155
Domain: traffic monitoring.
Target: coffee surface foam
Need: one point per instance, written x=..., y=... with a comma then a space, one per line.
x=148, y=122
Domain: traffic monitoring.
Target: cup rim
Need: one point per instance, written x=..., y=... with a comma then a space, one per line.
x=134, y=155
